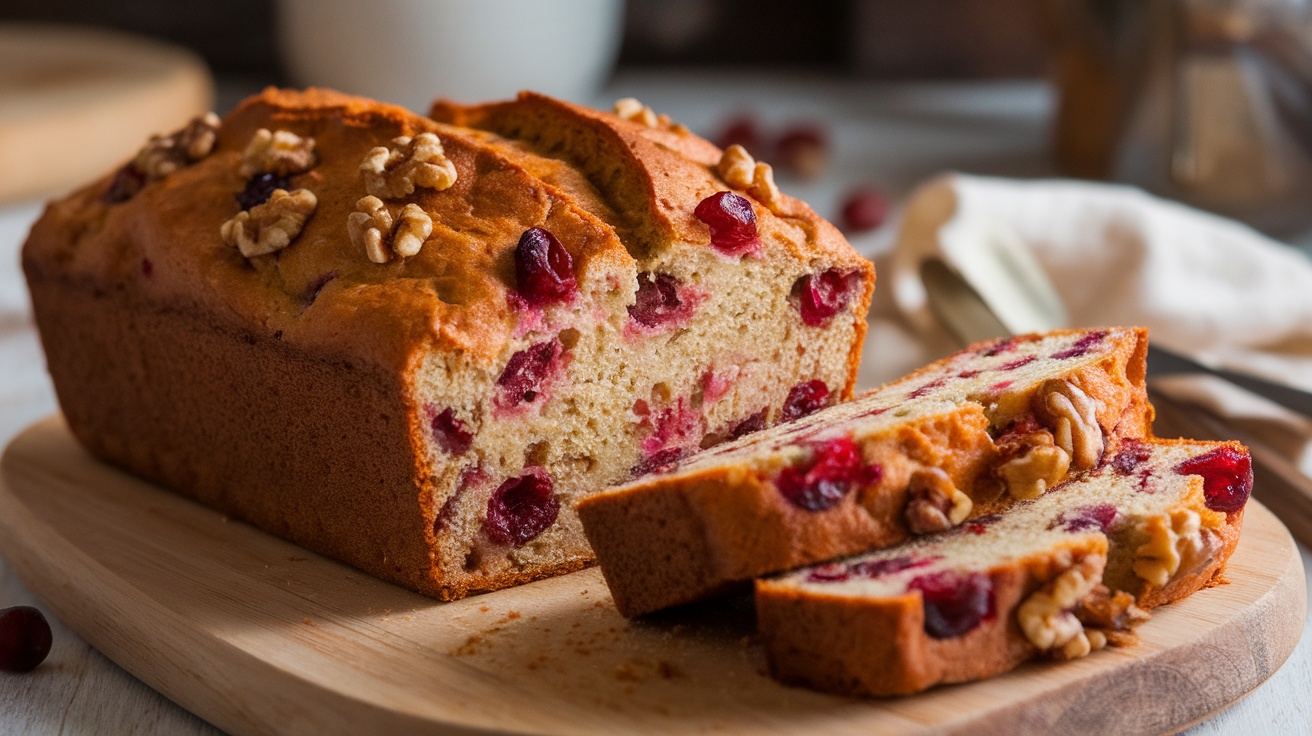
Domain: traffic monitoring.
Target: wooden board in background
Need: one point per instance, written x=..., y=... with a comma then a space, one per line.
x=258, y=636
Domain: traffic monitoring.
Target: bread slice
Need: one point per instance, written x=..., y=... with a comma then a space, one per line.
x=964, y=436
x=437, y=338
x=1052, y=576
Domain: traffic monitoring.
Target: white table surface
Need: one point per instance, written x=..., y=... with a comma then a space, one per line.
x=888, y=136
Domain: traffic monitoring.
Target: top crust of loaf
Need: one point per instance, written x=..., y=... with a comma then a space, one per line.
x=163, y=246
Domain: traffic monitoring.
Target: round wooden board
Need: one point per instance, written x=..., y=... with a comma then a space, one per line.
x=258, y=636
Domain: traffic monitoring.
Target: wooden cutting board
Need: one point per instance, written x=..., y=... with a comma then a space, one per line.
x=256, y=635
x=76, y=102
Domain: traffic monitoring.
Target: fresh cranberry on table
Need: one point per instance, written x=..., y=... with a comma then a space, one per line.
x=24, y=639
x=863, y=209
x=803, y=150
x=742, y=130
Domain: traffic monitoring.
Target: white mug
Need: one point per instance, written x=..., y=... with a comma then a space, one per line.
x=410, y=52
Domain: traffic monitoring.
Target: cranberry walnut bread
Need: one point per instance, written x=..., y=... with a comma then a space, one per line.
x=413, y=346
x=998, y=421
x=1070, y=571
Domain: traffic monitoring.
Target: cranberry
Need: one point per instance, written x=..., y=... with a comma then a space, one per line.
x=754, y=423
x=1227, y=477
x=450, y=433
x=977, y=526
x=803, y=149
x=955, y=603
x=661, y=461
x=1081, y=346
x=742, y=130
x=521, y=508
x=969, y=373
x=312, y=293
x=1099, y=516
x=999, y=387
x=732, y=222
x=676, y=425
x=657, y=300
x=1005, y=345
x=864, y=208
x=923, y=390
x=544, y=270
x=127, y=181
x=879, y=568
x=821, y=296
x=259, y=188
x=24, y=639
x=526, y=371
x=1018, y=363
x=805, y=398
x=1130, y=455
x=834, y=572
x=836, y=469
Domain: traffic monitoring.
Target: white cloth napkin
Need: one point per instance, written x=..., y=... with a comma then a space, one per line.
x=1203, y=285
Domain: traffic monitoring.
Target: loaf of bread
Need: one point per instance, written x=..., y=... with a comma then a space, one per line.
x=413, y=345
x=1058, y=576
x=998, y=421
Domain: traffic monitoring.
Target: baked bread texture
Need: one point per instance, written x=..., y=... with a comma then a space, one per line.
x=413, y=345
x=1056, y=576
x=965, y=436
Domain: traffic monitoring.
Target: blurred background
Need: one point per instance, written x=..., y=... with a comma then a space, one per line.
x=1205, y=101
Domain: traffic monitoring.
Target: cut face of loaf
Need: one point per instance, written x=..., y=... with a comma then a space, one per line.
x=997, y=422
x=414, y=346
x=1056, y=575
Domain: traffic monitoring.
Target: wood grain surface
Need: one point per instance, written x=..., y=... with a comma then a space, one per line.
x=256, y=635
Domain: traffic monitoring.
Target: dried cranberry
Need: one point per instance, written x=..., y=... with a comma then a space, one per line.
x=836, y=469
x=1081, y=346
x=259, y=188
x=676, y=425
x=999, y=387
x=834, y=572
x=1005, y=345
x=526, y=371
x=864, y=209
x=521, y=508
x=754, y=423
x=1099, y=516
x=127, y=181
x=955, y=603
x=821, y=296
x=805, y=398
x=1018, y=363
x=661, y=461
x=969, y=373
x=879, y=568
x=544, y=270
x=450, y=433
x=24, y=639
x=657, y=300
x=732, y=222
x=1227, y=477
x=1130, y=455
x=803, y=150
x=742, y=130
x=980, y=524
x=923, y=390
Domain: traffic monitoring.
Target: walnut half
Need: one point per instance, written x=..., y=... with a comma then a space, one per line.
x=1176, y=541
x=162, y=155
x=1031, y=464
x=1047, y=616
x=271, y=226
x=740, y=171
x=372, y=229
x=394, y=172
x=935, y=504
x=1073, y=417
x=280, y=152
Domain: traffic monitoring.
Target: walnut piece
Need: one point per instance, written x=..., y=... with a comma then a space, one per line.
x=271, y=226
x=280, y=152
x=411, y=162
x=372, y=228
x=740, y=171
x=1103, y=610
x=631, y=109
x=163, y=155
x=1031, y=464
x=1047, y=616
x=935, y=504
x=1073, y=417
x=1175, y=541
